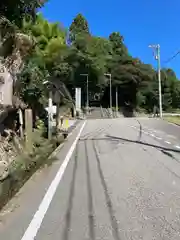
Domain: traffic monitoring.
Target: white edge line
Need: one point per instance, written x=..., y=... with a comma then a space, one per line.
x=38, y=217
x=177, y=146
x=167, y=142
x=144, y=132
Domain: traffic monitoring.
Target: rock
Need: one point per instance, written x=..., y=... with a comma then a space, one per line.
x=4, y=170
x=3, y=155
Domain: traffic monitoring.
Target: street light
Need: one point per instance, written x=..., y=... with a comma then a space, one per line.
x=87, y=88
x=156, y=49
x=110, y=86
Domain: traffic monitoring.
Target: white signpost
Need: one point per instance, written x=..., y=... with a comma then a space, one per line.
x=78, y=99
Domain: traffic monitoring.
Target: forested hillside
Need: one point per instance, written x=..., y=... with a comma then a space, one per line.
x=68, y=53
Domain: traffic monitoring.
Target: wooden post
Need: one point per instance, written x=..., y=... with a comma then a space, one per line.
x=28, y=129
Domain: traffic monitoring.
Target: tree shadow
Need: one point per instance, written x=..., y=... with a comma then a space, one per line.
x=128, y=112
x=90, y=198
x=70, y=201
x=109, y=204
x=143, y=143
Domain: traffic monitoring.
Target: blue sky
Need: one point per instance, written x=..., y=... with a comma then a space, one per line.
x=141, y=22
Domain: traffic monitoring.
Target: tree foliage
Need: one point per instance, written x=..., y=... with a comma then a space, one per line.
x=78, y=26
x=86, y=54
x=16, y=10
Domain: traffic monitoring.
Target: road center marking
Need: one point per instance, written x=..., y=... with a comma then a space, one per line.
x=38, y=217
x=177, y=146
x=167, y=142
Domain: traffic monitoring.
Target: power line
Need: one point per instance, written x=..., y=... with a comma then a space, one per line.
x=171, y=58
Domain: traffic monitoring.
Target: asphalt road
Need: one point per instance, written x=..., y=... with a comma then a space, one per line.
x=122, y=182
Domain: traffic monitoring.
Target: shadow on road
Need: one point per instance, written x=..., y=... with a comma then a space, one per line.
x=70, y=201
x=128, y=112
x=143, y=143
x=90, y=198
x=107, y=197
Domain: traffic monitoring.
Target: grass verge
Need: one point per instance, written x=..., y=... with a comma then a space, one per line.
x=25, y=165
x=173, y=119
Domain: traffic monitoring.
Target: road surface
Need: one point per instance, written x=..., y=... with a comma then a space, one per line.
x=121, y=182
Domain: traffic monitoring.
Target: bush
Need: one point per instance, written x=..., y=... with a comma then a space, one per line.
x=25, y=165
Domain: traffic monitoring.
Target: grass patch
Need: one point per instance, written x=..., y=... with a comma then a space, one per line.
x=173, y=119
x=25, y=165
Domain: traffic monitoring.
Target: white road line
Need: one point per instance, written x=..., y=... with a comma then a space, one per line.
x=171, y=136
x=177, y=146
x=167, y=142
x=160, y=138
x=36, y=222
x=144, y=132
x=152, y=135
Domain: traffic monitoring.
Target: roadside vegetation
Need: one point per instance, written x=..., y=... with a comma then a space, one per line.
x=68, y=53
x=173, y=119
x=26, y=163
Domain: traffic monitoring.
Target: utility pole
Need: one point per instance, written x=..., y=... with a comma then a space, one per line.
x=87, y=89
x=156, y=49
x=110, y=88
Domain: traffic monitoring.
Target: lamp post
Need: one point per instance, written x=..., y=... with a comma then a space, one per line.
x=87, y=88
x=110, y=86
x=156, y=49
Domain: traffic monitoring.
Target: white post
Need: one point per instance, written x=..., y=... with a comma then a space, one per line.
x=50, y=115
x=21, y=123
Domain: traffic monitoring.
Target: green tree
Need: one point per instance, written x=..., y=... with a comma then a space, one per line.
x=50, y=38
x=78, y=26
x=118, y=46
x=16, y=10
